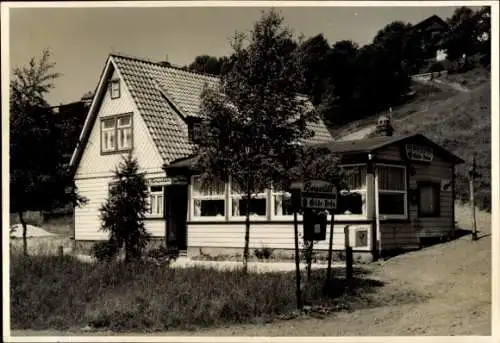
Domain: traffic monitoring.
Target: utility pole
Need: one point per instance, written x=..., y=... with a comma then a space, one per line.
x=473, y=174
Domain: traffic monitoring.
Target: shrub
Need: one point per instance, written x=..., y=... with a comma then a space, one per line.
x=263, y=253
x=436, y=67
x=105, y=251
x=124, y=211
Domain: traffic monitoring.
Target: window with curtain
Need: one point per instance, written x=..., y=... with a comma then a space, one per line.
x=257, y=205
x=208, y=200
x=353, y=203
x=156, y=204
x=392, y=195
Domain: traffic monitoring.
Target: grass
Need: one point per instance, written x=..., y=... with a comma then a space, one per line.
x=52, y=292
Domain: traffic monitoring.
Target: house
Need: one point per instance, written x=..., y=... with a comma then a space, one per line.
x=149, y=109
x=430, y=32
x=401, y=187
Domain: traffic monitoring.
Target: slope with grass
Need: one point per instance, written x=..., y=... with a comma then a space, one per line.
x=455, y=112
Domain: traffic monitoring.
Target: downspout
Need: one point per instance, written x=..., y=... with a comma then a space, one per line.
x=371, y=205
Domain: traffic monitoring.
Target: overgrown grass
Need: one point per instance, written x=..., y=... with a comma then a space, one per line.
x=52, y=292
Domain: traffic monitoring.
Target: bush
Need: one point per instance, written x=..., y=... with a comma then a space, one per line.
x=105, y=251
x=263, y=253
x=436, y=67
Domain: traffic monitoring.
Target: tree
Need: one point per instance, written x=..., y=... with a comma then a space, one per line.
x=313, y=62
x=341, y=59
x=39, y=174
x=124, y=211
x=483, y=19
x=401, y=44
x=206, y=64
x=254, y=118
x=462, y=38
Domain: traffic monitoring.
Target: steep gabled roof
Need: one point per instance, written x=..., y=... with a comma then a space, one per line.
x=164, y=96
x=428, y=22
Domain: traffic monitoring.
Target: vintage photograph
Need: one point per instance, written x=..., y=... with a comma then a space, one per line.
x=189, y=169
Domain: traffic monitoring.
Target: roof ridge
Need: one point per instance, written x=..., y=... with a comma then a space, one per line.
x=156, y=63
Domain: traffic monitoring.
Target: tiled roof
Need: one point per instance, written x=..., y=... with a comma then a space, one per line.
x=369, y=145
x=165, y=94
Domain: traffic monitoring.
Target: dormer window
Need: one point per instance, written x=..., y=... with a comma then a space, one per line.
x=194, y=129
x=114, y=88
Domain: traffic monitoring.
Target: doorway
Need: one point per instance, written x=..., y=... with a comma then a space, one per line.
x=176, y=203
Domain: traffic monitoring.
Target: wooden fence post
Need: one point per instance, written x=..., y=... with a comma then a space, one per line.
x=348, y=257
x=473, y=174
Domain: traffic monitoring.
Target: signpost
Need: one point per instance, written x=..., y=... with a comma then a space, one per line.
x=313, y=197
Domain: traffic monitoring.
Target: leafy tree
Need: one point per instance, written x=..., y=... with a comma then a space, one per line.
x=124, y=211
x=401, y=43
x=483, y=19
x=462, y=38
x=39, y=174
x=313, y=54
x=206, y=64
x=341, y=59
x=255, y=116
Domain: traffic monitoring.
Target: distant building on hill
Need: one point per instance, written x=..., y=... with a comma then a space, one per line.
x=431, y=32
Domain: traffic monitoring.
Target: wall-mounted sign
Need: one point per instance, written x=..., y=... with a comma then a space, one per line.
x=164, y=181
x=419, y=153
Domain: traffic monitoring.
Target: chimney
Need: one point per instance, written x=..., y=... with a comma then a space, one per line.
x=384, y=126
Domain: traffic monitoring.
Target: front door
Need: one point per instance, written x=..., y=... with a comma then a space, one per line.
x=176, y=218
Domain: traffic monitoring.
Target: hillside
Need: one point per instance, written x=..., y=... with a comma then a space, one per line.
x=454, y=111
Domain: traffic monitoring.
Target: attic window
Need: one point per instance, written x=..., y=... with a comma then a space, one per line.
x=116, y=134
x=194, y=130
x=114, y=88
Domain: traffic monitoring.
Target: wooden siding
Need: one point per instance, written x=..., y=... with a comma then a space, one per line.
x=93, y=164
x=276, y=236
x=400, y=235
x=87, y=221
x=392, y=153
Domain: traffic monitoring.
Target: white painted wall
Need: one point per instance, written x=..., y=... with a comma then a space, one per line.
x=93, y=164
x=275, y=236
x=95, y=171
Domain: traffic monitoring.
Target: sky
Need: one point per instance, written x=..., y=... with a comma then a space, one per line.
x=80, y=39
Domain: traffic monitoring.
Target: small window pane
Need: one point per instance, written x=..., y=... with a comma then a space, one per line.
x=283, y=204
x=355, y=177
x=108, y=123
x=209, y=208
x=391, y=203
x=256, y=207
x=156, y=189
x=211, y=189
x=124, y=121
x=391, y=178
x=350, y=204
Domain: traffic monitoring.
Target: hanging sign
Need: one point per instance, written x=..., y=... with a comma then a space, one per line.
x=419, y=153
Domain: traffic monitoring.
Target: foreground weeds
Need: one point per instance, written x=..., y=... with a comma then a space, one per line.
x=60, y=292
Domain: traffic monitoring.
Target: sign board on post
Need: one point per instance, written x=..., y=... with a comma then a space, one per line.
x=321, y=195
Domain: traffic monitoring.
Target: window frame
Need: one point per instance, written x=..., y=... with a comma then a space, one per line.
x=362, y=191
x=116, y=129
x=111, y=90
x=436, y=189
x=238, y=196
x=155, y=194
x=404, y=192
x=194, y=197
